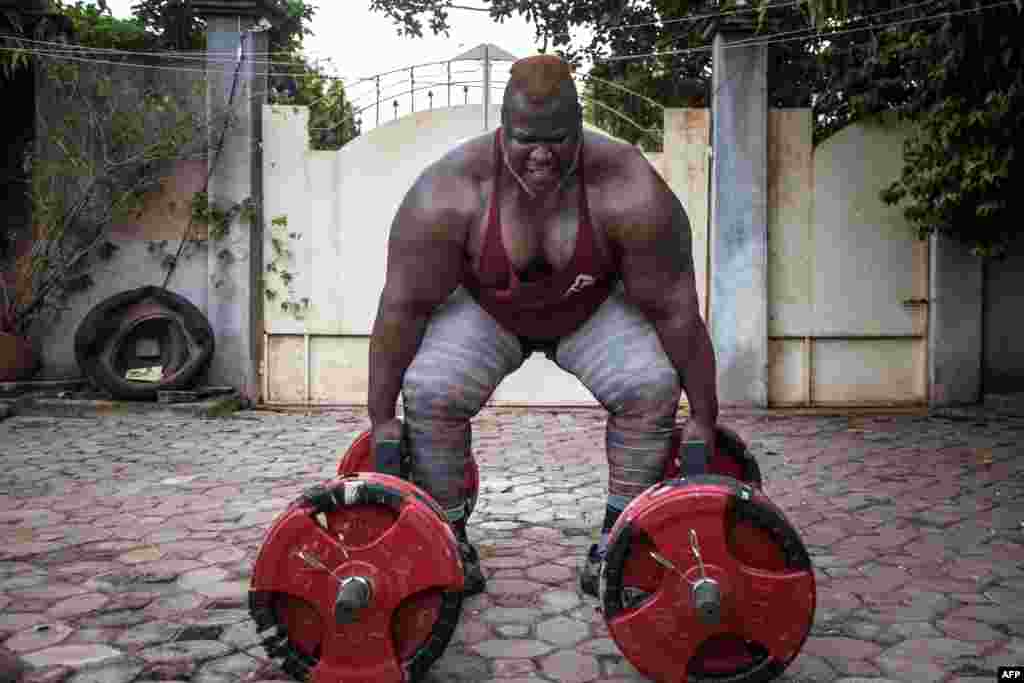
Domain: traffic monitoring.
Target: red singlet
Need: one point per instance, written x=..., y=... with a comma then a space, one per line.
x=544, y=309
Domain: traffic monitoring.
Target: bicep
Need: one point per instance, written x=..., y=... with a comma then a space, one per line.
x=426, y=245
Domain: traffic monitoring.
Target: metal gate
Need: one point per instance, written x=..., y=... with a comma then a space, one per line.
x=848, y=278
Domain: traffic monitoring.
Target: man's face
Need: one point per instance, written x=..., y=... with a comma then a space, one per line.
x=541, y=140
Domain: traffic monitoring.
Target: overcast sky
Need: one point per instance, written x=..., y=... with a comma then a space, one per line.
x=363, y=43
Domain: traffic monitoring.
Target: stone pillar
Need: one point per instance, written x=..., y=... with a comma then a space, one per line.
x=955, y=343
x=234, y=303
x=739, y=220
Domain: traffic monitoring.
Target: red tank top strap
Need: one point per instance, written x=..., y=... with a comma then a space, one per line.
x=493, y=259
x=586, y=255
x=586, y=258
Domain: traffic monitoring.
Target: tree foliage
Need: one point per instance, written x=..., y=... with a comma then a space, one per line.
x=106, y=142
x=951, y=68
x=300, y=81
x=178, y=27
x=294, y=78
x=959, y=79
x=94, y=26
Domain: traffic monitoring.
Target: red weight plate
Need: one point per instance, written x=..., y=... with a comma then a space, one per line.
x=730, y=459
x=302, y=621
x=358, y=458
x=390, y=537
x=414, y=622
x=747, y=546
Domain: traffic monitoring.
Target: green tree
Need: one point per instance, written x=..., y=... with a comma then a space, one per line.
x=960, y=81
x=178, y=27
x=94, y=26
x=300, y=81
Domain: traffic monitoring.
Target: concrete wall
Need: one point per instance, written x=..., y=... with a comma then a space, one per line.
x=955, y=305
x=1003, y=330
x=343, y=202
x=164, y=216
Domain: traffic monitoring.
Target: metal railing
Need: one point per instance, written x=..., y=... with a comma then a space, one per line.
x=483, y=81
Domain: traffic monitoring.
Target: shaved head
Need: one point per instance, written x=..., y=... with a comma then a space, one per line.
x=540, y=77
x=541, y=81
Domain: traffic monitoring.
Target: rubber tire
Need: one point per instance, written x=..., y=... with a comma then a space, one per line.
x=101, y=327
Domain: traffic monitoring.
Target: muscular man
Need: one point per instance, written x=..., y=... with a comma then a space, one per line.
x=540, y=236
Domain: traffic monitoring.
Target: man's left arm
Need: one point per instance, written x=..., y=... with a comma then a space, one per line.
x=653, y=234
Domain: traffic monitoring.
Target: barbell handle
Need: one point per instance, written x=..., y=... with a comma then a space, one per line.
x=695, y=458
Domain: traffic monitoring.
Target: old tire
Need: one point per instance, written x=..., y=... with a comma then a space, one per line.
x=108, y=339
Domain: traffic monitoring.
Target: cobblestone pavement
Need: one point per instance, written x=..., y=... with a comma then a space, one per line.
x=126, y=543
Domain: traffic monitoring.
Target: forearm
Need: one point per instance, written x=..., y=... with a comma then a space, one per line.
x=396, y=336
x=688, y=345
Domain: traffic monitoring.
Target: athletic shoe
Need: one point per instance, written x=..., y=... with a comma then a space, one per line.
x=475, y=580
x=590, y=572
x=590, y=577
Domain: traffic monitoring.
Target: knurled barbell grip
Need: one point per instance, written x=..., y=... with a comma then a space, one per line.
x=694, y=458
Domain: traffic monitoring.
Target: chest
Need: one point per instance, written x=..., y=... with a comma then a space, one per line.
x=537, y=242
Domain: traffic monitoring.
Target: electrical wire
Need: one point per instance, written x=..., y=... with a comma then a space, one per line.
x=77, y=54
x=728, y=80
x=203, y=57
x=770, y=39
x=684, y=19
x=229, y=54
x=211, y=57
x=805, y=30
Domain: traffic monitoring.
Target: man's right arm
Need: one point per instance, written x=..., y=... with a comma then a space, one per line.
x=426, y=255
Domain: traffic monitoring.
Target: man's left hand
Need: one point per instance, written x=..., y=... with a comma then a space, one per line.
x=700, y=430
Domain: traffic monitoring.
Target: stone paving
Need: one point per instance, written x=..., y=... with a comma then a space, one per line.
x=126, y=543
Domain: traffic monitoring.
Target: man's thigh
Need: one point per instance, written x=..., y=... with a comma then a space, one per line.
x=618, y=356
x=462, y=358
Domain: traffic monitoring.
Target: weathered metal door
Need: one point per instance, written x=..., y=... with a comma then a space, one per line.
x=848, y=279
